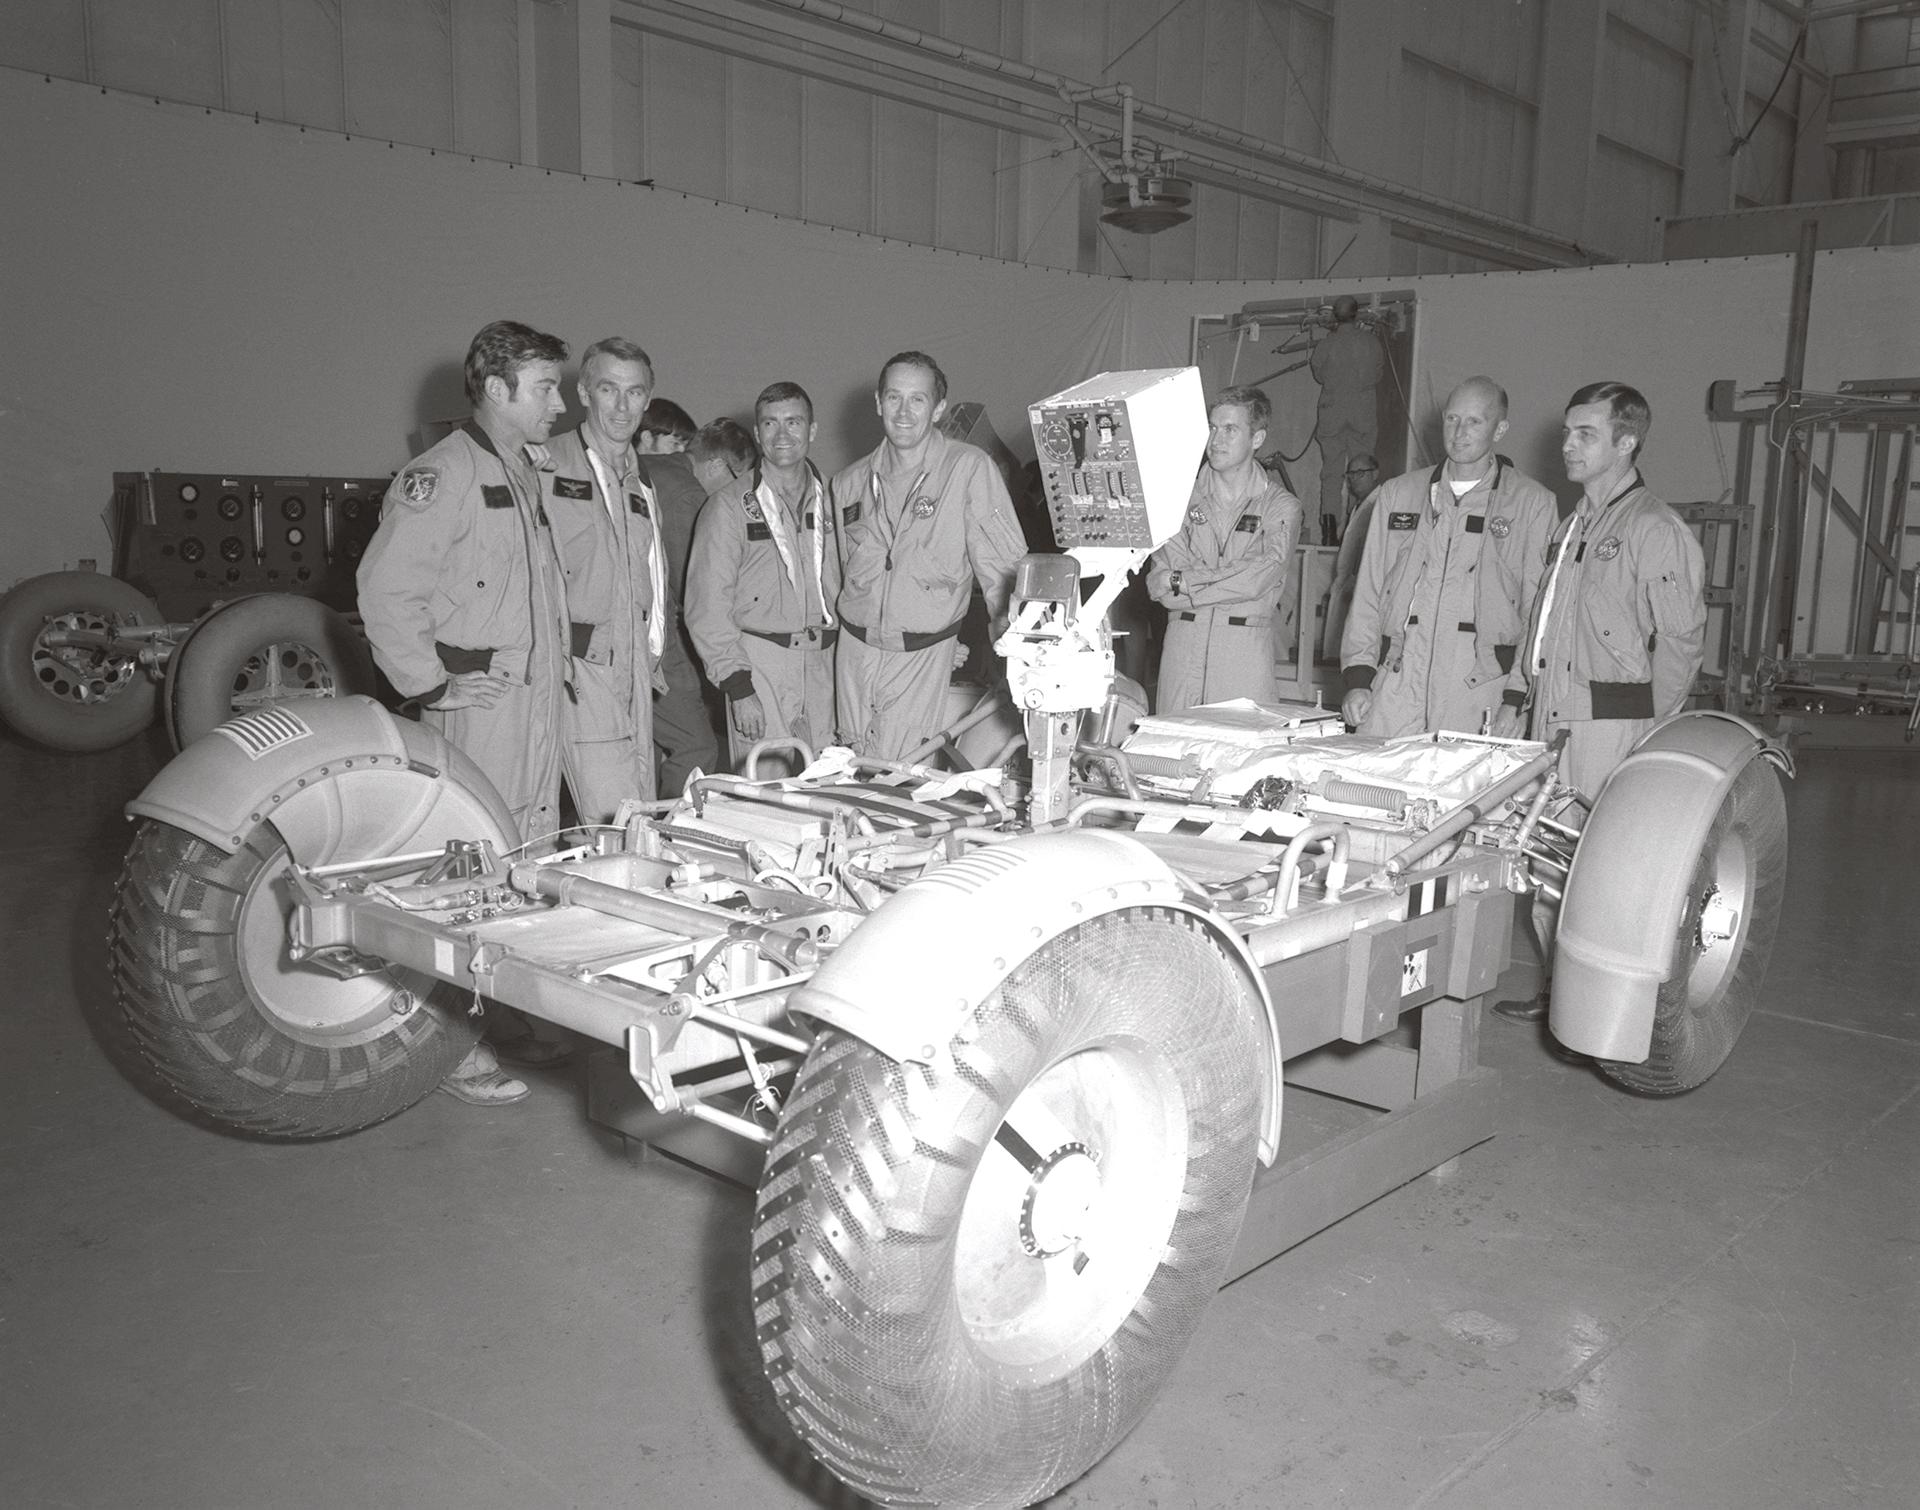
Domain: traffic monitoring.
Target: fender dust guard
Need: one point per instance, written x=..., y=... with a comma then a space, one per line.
x=1624, y=896
x=905, y=982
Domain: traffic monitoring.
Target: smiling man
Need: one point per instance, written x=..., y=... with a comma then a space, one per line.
x=1452, y=560
x=921, y=520
x=762, y=581
x=603, y=509
x=1221, y=575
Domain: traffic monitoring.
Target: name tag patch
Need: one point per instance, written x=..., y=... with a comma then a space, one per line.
x=1402, y=521
x=759, y=530
x=637, y=505
x=1476, y=523
x=496, y=495
x=1249, y=525
x=572, y=487
x=851, y=513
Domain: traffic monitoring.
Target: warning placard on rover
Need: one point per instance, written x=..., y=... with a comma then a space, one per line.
x=1413, y=972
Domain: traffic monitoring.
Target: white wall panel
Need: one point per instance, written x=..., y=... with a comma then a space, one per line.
x=399, y=69
x=685, y=121
x=765, y=158
x=486, y=80
x=1629, y=190
x=169, y=48
x=45, y=39
x=837, y=147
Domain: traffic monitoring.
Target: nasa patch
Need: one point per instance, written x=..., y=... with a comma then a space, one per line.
x=1608, y=548
x=417, y=484
x=1499, y=528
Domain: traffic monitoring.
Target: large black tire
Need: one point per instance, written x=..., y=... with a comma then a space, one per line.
x=236, y=1030
x=930, y=1322
x=1718, y=968
x=70, y=698
x=273, y=647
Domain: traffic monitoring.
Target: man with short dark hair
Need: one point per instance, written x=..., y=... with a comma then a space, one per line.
x=665, y=429
x=762, y=583
x=1453, y=558
x=604, y=513
x=1619, y=631
x=1220, y=576
x=460, y=588
x=920, y=521
x=683, y=728
x=465, y=606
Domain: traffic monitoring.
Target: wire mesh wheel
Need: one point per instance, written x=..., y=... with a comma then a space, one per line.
x=972, y=1278
x=58, y=685
x=238, y=1032
x=269, y=648
x=1722, y=942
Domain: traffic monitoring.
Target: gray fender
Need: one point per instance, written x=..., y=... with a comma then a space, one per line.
x=1635, y=859
x=906, y=980
x=337, y=777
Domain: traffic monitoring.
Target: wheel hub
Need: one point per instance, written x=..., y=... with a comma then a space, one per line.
x=1053, y=1217
x=74, y=673
x=280, y=673
x=1719, y=918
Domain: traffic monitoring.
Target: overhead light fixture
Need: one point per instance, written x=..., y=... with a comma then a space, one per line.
x=1144, y=205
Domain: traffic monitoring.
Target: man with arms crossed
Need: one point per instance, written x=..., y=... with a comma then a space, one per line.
x=464, y=604
x=920, y=520
x=1452, y=561
x=1220, y=576
x=604, y=515
x=762, y=581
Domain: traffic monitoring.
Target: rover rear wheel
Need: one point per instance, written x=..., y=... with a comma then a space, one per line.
x=238, y=1031
x=1722, y=942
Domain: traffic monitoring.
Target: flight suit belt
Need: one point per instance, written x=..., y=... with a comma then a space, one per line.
x=1620, y=699
x=458, y=658
x=910, y=639
x=580, y=637
x=1237, y=620
x=819, y=637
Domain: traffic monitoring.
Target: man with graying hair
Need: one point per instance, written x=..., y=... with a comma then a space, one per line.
x=606, y=526
x=1453, y=559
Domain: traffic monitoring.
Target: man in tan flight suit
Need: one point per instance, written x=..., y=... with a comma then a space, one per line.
x=604, y=514
x=1452, y=561
x=1619, y=630
x=464, y=604
x=1220, y=576
x=762, y=581
x=919, y=522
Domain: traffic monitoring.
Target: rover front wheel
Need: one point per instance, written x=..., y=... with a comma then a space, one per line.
x=972, y=1277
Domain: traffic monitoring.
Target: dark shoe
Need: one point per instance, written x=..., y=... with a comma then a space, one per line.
x=1534, y=1009
x=532, y=1052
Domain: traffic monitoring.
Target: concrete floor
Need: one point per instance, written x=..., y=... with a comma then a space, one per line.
x=1709, y=1301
